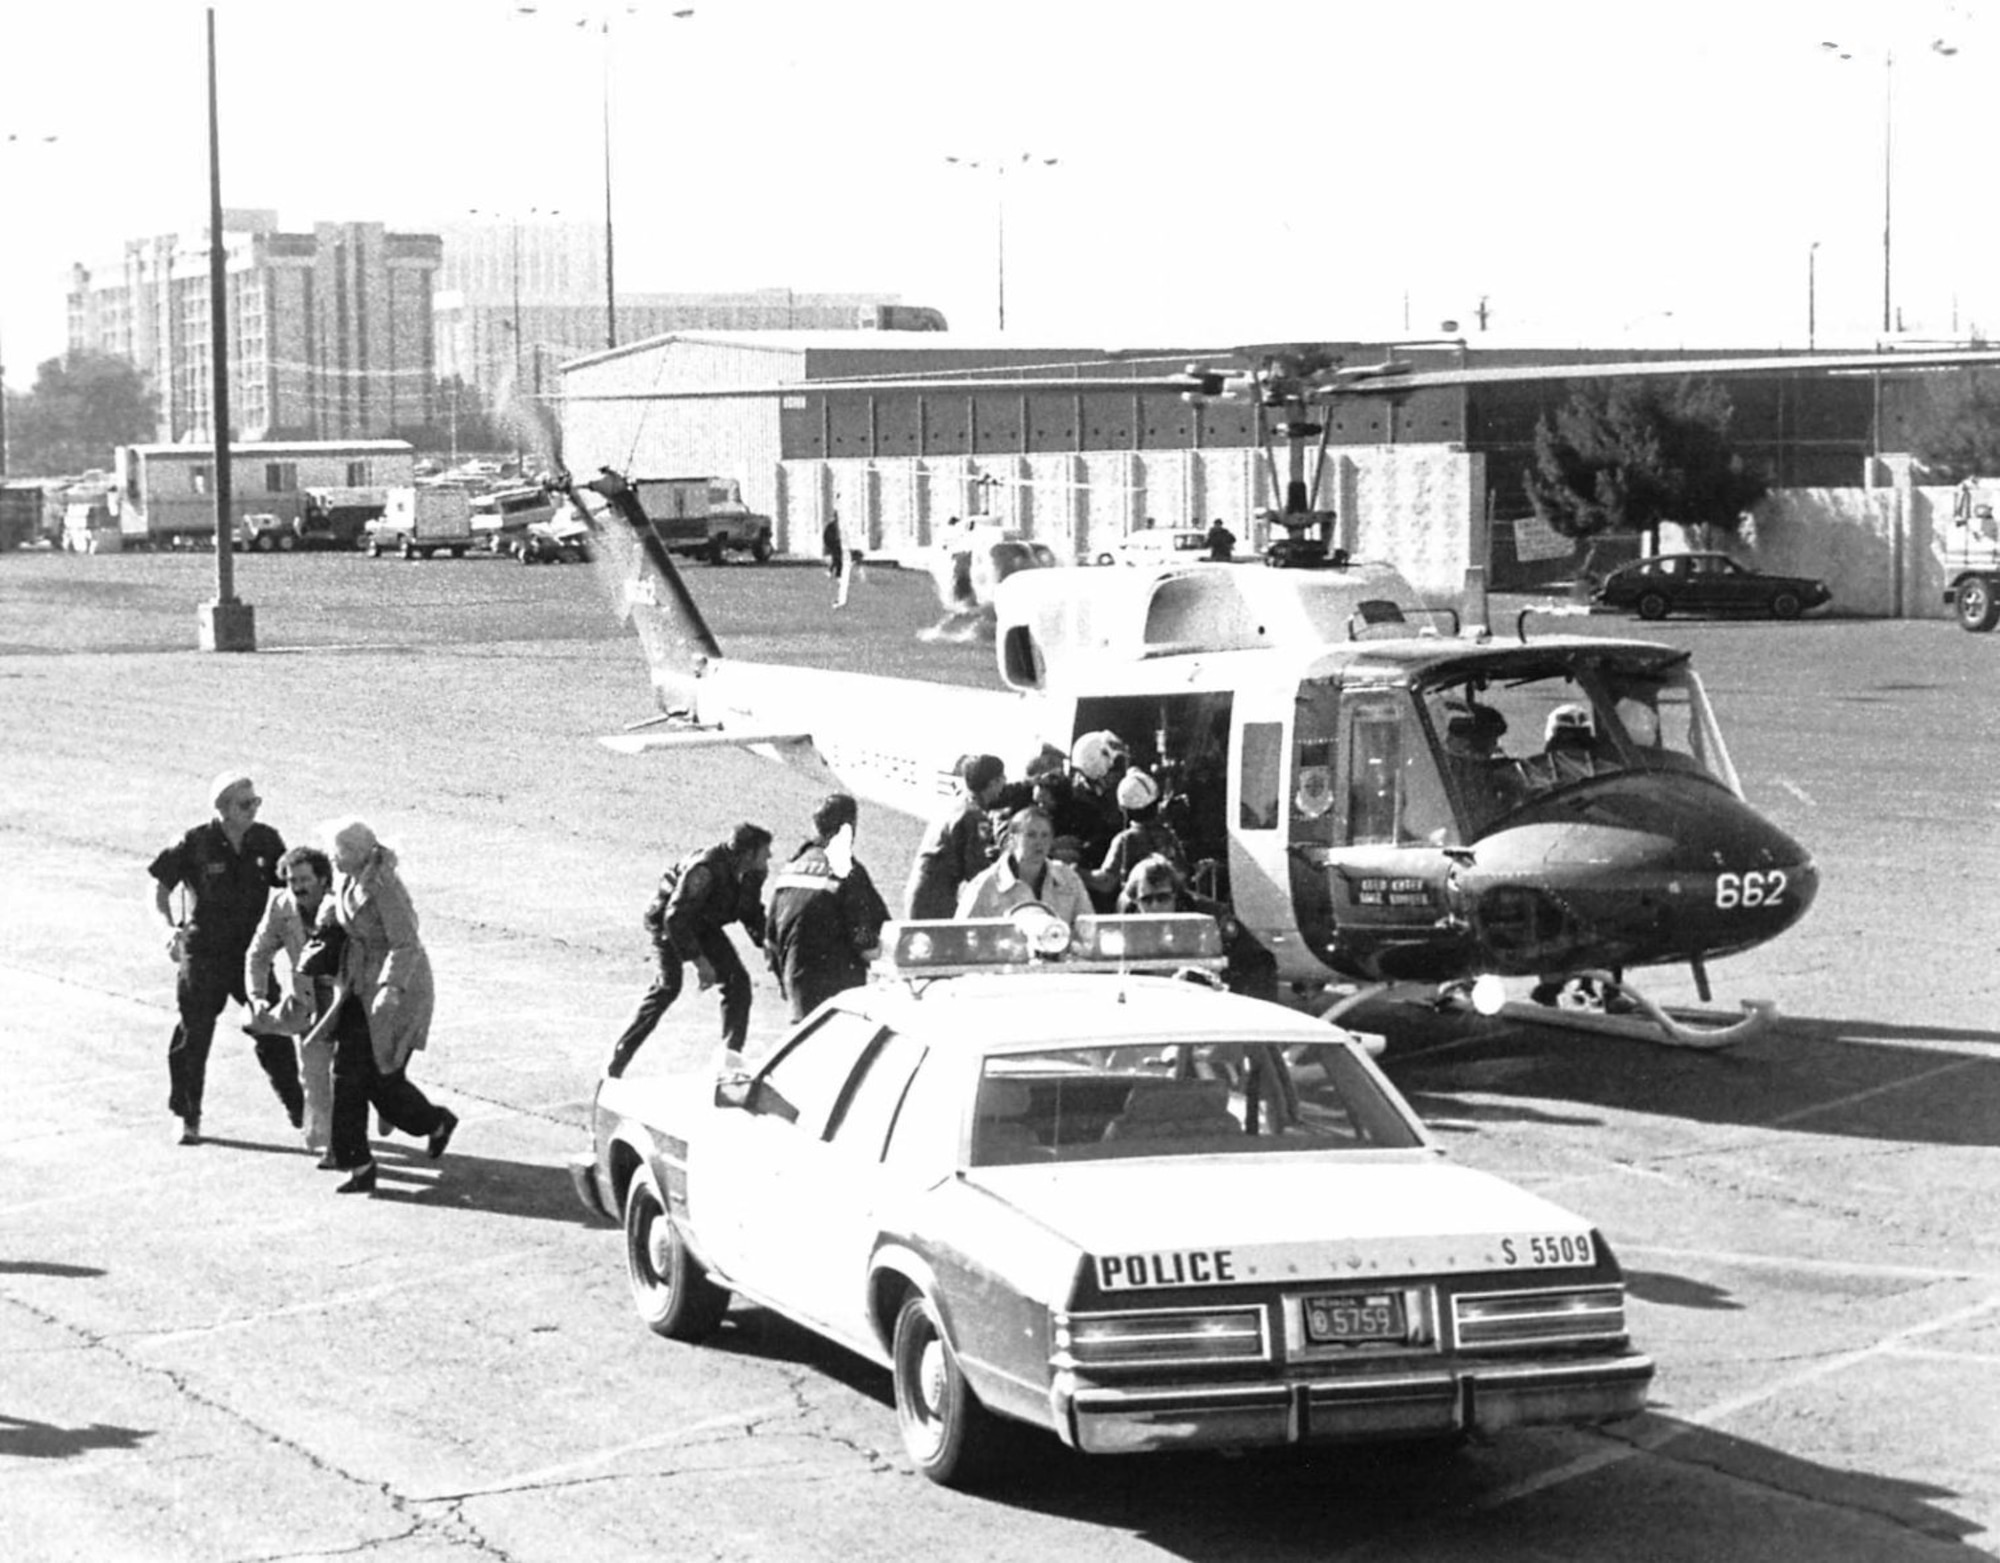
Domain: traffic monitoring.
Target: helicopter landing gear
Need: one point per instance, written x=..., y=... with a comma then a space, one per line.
x=1598, y=1002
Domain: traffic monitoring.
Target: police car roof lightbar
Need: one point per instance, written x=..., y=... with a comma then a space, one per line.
x=958, y=947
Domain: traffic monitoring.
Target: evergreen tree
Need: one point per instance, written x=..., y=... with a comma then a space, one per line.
x=1957, y=431
x=1627, y=456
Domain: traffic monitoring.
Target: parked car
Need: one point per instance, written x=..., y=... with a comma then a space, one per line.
x=499, y=519
x=563, y=540
x=1037, y=1183
x=1706, y=583
x=1157, y=545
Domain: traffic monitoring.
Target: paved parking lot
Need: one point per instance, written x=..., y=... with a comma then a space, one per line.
x=208, y=1356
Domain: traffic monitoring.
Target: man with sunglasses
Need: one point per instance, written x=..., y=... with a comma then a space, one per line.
x=226, y=870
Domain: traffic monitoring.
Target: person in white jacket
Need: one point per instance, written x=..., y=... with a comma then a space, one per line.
x=1025, y=875
x=289, y=1005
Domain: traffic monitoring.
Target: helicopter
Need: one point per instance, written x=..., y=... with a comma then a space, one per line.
x=1391, y=794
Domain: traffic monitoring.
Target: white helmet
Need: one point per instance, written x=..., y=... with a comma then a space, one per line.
x=1570, y=720
x=1137, y=791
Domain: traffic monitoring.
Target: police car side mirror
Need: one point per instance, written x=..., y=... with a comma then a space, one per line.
x=733, y=1090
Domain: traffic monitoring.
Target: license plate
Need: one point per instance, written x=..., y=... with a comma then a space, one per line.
x=1340, y=1321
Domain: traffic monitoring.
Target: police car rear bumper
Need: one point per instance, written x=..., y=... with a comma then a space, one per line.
x=1485, y=1398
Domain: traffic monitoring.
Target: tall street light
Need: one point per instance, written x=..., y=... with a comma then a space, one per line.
x=1812, y=295
x=603, y=19
x=514, y=223
x=1940, y=47
x=999, y=167
x=12, y=140
x=224, y=624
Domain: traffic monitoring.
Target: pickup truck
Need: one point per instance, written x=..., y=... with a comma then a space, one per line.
x=704, y=517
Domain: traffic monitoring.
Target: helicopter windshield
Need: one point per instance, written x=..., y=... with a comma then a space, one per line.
x=1445, y=762
x=1510, y=740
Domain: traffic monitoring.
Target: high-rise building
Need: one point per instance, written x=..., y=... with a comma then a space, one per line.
x=330, y=332
x=518, y=297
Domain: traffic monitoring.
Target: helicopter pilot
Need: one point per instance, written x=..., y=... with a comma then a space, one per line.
x=1487, y=778
x=1569, y=746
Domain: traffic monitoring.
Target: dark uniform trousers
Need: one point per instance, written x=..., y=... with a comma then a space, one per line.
x=729, y=972
x=358, y=1081
x=205, y=984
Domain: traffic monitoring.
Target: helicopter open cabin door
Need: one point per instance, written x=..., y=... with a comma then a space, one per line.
x=1370, y=824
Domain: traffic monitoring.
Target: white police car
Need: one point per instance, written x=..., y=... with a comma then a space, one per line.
x=1038, y=1182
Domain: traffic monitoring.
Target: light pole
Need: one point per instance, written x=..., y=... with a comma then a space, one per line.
x=999, y=166
x=1940, y=47
x=13, y=139
x=514, y=224
x=1812, y=296
x=681, y=13
x=226, y=624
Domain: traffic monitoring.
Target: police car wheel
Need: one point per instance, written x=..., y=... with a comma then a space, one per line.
x=671, y=1290
x=948, y=1434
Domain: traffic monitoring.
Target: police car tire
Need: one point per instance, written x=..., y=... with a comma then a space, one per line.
x=949, y=1436
x=673, y=1294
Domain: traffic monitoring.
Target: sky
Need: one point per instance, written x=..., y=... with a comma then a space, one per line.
x=1703, y=174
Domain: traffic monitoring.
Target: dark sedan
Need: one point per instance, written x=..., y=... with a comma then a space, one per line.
x=1707, y=583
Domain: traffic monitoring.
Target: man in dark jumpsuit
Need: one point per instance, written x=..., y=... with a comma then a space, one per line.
x=699, y=897
x=825, y=915
x=228, y=868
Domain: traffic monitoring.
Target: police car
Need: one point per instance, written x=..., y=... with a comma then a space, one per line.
x=1043, y=1180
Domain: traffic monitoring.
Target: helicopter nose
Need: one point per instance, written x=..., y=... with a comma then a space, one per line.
x=1638, y=878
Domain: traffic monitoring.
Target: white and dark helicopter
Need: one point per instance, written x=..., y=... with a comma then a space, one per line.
x=1390, y=795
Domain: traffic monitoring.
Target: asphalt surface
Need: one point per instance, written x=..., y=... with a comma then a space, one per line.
x=205, y=1355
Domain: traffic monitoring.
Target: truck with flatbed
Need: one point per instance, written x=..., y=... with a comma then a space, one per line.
x=324, y=518
x=704, y=518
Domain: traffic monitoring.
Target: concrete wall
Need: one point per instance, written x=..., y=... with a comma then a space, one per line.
x=1886, y=552
x=1419, y=505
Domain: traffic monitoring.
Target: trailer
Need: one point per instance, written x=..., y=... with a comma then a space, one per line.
x=23, y=508
x=166, y=493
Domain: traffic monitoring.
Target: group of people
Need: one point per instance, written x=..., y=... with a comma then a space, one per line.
x=321, y=946
x=1079, y=833
x=335, y=1027
x=818, y=920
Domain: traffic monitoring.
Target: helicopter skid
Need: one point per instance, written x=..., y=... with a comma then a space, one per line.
x=1642, y=1021
x=1649, y=1022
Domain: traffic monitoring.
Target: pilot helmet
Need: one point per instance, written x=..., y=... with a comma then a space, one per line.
x=1137, y=791
x=1475, y=725
x=1095, y=753
x=1569, y=721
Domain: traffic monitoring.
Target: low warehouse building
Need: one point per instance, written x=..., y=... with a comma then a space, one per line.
x=1431, y=479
